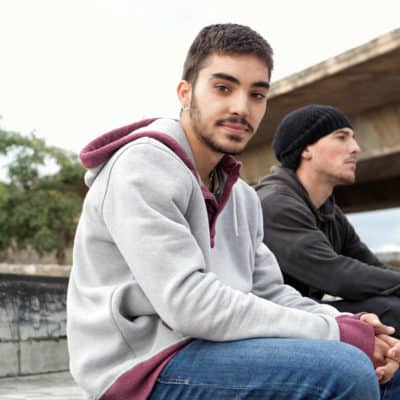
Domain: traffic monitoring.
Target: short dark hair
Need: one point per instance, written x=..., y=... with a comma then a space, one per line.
x=225, y=39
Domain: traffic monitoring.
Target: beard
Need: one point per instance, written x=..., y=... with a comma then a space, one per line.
x=345, y=180
x=200, y=129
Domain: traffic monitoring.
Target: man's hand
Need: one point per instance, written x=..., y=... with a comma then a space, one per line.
x=383, y=332
x=394, y=347
x=385, y=367
x=386, y=357
x=376, y=323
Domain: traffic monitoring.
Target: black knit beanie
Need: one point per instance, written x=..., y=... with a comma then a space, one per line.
x=303, y=127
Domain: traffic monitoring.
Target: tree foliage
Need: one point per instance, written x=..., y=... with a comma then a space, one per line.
x=41, y=191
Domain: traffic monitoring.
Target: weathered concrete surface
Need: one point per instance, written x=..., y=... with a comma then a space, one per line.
x=38, y=356
x=32, y=324
x=8, y=358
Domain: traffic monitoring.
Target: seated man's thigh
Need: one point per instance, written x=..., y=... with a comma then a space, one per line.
x=268, y=369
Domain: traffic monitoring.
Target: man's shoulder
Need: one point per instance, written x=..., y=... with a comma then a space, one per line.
x=146, y=163
x=281, y=202
x=146, y=151
x=245, y=190
x=278, y=191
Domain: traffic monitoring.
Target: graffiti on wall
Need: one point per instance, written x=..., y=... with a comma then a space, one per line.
x=32, y=307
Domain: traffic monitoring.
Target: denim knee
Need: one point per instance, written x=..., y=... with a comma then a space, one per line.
x=355, y=374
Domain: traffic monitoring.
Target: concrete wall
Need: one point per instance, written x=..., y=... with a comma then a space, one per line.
x=32, y=324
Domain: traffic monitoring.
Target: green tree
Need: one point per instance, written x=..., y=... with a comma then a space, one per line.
x=40, y=194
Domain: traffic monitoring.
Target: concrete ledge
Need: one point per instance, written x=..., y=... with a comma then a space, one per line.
x=373, y=49
x=36, y=269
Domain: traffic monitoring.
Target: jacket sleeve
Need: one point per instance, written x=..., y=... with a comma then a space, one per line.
x=146, y=212
x=268, y=282
x=304, y=253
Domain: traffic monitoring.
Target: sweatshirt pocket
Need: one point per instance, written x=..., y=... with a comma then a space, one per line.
x=136, y=319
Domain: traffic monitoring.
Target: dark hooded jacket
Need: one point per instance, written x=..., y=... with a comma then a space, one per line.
x=318, y=249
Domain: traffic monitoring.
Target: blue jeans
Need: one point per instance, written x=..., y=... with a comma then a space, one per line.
x=271, y=369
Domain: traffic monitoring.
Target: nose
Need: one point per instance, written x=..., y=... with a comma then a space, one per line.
x=239, y=105
x=355, y=148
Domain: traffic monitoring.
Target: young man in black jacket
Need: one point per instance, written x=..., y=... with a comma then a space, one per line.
x=317, y=248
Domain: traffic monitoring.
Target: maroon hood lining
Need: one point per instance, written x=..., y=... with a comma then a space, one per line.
x=102, y=148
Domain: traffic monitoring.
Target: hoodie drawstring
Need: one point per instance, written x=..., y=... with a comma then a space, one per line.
x=235, y=221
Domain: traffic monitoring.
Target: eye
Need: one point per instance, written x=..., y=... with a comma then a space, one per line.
x=222, y=88
x=258, y=96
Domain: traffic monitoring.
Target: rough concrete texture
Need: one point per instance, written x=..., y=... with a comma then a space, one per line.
x=40, y=356
x=8, y=359
x=33, y=321
x=32, y=307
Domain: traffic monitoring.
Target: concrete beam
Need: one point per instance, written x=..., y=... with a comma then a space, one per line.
x=357, y=80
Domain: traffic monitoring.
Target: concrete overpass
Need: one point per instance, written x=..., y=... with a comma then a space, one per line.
x=363, y=82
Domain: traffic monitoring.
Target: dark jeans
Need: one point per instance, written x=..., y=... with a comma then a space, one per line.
x=386, y=307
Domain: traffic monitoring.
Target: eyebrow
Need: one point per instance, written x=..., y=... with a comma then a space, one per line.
x=346, y=132
x=230, y=78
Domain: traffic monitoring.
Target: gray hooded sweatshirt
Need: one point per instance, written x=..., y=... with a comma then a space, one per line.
x=158, y=261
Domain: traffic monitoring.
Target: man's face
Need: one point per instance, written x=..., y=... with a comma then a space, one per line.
x=228, y=101
x=334, y=157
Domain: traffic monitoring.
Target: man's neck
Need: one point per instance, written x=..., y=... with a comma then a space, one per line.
x=205, y=158
x=317, y=189
x=205, y=161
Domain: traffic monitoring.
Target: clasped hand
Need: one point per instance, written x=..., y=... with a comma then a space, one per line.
x=386, y=357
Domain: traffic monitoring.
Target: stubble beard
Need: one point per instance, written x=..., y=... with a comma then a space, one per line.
x=345, y=179
x=201, y=131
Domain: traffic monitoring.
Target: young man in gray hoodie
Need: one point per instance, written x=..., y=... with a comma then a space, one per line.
x=173, y=294
x=317, y=248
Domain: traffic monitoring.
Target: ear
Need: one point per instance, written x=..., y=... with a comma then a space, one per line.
x=306, y=154
x=184, y=91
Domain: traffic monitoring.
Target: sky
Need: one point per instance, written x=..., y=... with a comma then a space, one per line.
x=73, y=69
x=379, y=230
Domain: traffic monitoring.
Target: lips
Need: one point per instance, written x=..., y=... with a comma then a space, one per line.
x=235, y=124
x=237, y=128
x=352, y=162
